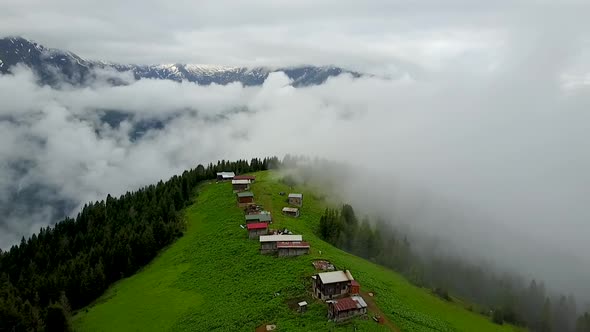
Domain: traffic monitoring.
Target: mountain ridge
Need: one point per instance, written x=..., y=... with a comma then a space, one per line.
x=55, y=66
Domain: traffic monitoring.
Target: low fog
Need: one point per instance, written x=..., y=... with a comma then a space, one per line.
x=493, y=159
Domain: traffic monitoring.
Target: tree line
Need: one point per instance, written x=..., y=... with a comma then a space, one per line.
x=502, y=297
x=65, y=267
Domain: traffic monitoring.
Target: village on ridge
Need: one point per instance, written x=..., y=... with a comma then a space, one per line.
x=339, y=289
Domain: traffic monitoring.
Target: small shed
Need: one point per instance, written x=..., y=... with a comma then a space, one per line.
x=302, y=306
x=346, y=308
x=289, y=211
x=240, y=185
x=294, y=248
x=331, y=285
x=296, y=199
x=252, y=178
x=245, y=197
x=257, y=229
x=225, y=176
x=268, y=243
x=258, y=217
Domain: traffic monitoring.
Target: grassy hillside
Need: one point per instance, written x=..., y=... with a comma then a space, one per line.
x=213, y=278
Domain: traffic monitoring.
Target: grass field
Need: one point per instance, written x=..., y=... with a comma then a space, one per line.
x=213, y=278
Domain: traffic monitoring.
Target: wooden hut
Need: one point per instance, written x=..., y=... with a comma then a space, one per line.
x=225, y=176
x=258, y=217
x=268, y=243
x=252, y=178
x=294, y=248
x=257, y=229
x=240, y=185
x=346, y=308
x=330, y=285
x=245, y=198
x=296, y=199
x=292, y=212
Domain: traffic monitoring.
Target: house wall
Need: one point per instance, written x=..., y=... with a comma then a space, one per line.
x=292, y=214
x=240, y=187
x=339, y=316
x=295, y=201
x=255, y=233
x=268, y=247
x=330, y=291
x=246, y=199
x=283, y=252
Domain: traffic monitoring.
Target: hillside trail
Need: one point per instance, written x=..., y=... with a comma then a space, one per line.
x=373, y=308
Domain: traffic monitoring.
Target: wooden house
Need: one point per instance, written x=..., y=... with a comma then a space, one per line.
x=294, y=248
x=346, y=308
x=225, y=176
x=331, y=285
x=252, y=178
x=268, y=243
x=258, y=217
x=257, y=229
x=293, y=212
x=296, y=199
x=245, y=198
x=240, y=185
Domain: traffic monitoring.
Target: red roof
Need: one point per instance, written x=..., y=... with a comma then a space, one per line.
x=345, y=304
x=258, y=225
x=294, y=244
x=244, y=177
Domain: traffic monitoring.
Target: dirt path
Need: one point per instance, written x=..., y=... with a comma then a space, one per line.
x=374, y=310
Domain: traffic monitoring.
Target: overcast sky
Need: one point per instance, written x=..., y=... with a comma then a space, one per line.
x=488, y=111
x=381, y=36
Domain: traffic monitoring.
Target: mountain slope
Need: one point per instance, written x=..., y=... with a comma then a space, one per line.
x=55, y=66
x=213, y=278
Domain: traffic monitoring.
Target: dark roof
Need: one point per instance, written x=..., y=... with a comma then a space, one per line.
x=244, y=177
x=260, y=217
x=350, y=303
x=246, y=194
x=259, y=225
x=295, y=244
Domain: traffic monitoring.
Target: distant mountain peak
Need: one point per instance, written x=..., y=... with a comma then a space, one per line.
x=54, y=66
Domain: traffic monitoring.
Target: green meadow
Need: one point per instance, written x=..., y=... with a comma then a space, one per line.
x=213, y=278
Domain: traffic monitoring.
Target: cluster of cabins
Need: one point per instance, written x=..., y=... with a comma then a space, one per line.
x=342, y=294
x=280, y=242
x=337, y=288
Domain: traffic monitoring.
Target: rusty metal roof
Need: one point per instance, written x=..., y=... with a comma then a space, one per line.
x=350, y=303
x=259, y=225
x=294, y=244
x=244, y=177
x=279, y=238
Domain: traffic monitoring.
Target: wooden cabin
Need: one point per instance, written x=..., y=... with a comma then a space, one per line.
x=296, y=199
x=331, y=285
x=292, y=212
x=257, y=229
x=252, y=178
x=294, y=248
x=258, y=217
x=245, y=198
x=268, y=243
x=346, y=308
x=240, y=185
x=225, y=176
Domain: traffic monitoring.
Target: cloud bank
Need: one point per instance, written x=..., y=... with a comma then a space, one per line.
x=485, y=141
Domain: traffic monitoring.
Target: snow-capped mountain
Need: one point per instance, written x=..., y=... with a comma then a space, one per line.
x=54, y=66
